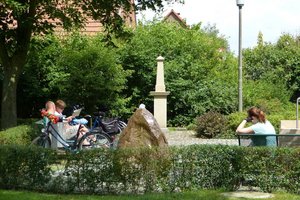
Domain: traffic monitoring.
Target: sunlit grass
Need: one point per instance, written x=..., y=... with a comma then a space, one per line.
x=196, y=195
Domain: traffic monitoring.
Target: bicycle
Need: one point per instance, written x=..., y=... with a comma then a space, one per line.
x=109, y=127
x=89, y=140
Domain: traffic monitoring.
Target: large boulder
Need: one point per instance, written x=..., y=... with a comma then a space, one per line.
x=142, y=131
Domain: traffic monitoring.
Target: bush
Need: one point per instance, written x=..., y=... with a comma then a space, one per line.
x=22, y=134
x=234, y=119
x=205, y=167
x=17, y=135
x=140, y=170
x=24, y=167
x=271, y=169
x=210, y=125
x=135, y=171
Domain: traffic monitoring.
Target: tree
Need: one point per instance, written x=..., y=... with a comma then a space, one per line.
x=34, y=87
x=275, y=66
x=79, y=69
x=199, y=71
x=20, y=20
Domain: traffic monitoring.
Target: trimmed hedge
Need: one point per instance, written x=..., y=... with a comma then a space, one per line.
x=150, y=170
x=25, y=167
x=22, y=134
x=18, y=135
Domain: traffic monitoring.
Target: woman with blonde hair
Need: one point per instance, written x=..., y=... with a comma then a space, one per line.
x=260, y=125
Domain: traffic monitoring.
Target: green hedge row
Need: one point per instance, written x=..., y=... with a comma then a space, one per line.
x=150, y=170
x=22, y=134
x=25, y=168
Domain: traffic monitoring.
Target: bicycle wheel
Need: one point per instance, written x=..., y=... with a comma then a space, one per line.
x=42, y=141
x=94, y=140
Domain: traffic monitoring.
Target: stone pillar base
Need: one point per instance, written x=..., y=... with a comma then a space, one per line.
x=160, y=107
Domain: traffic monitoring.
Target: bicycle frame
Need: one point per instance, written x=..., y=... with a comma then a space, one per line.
x=72, y=144
x=98, y=122
x=51, y=136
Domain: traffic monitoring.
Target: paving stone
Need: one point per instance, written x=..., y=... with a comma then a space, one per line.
x=248, y=194
x=178, y=138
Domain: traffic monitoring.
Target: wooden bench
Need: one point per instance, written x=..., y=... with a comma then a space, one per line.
x=282, y=140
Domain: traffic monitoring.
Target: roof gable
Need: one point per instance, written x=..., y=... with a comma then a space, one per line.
x=172, y=16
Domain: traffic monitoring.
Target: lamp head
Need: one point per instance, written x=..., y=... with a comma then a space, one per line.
x=240, y=3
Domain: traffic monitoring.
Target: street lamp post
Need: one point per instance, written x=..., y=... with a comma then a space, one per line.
x=240, y=4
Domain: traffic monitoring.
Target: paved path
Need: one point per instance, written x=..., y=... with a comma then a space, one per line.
x=248, y=194
x=188, y=138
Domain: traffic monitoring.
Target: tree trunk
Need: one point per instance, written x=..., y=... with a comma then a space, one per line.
x=9, y=99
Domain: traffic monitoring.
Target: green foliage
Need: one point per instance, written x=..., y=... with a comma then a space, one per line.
x=44, y=52
x=78, y=69
x=275, y=63
x=271, y=72
x=272, y=97
x=155, y=168
x=34, y=88
x=138, y=171
x=130, y=170
x=199, y=72
x=234, y=119
x=17, y=135
x=272, y=168
x=205, y=167
x=23, y=167
x=91, y=74
x=210, y=125
x=22, y=134
x=24, y=19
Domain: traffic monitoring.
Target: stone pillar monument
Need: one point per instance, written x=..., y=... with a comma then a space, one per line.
x=160, y=95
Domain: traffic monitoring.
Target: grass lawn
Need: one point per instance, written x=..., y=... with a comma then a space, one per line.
x=199, y=195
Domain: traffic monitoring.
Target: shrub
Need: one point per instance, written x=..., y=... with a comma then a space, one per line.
x=17, y=135
x=22, y=134
x=140, y=170
x=210, y=125
x=24, y=167
x=234, y=119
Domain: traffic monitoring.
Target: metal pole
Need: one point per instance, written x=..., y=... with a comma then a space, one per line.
x=240, y=89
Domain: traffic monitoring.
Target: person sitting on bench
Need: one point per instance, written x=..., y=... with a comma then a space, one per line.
x=260, y=125
x=50, y=113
